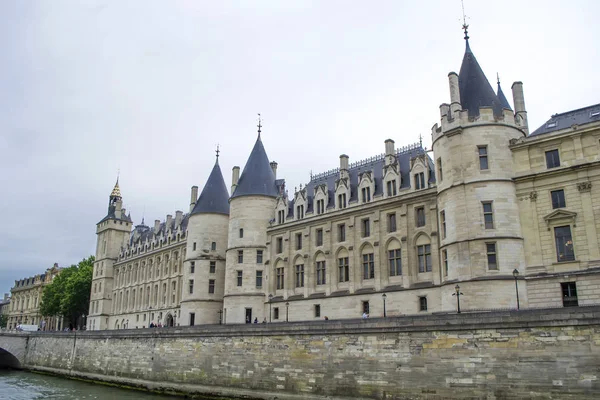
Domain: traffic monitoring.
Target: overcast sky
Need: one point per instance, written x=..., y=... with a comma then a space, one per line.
x=150, y=87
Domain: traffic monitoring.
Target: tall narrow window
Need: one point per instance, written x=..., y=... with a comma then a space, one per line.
x=240, y=256
x=280, y=280
x=276, y=313
x=440, y=171
x=212, y=267
x=422, y=303
x=191, y=287
x=320, y=206
x=366, y=194
x=420, y=181
x=319, y=239
x=391, y=222
x=445, y=261
x=300, y=211
x=424, y=255
x=213, y=246
x=443, y=223
x=300, y=275
x=569, y=292
x=564, y=244
x=211, y=286
x=194, y=246
x=341, y=232
x=321, y=275
x=298, y=241
x=192, y=267
x=365, y=307
x=240, y=276
x=558, y=198
x=552, y=159
x=368, y=266
x=317, y=310
x=279, y=245
x=488, y=215
x=344, y=269
x=259, y=279
x=395, y=261
x=342, y=200
x=259, y=256
x=492, y=260
x=483, y=157
x=280, y=216
x=241, y=232
x=391, y=188
x=366, y=227
x=420, y=216
x=192, y=318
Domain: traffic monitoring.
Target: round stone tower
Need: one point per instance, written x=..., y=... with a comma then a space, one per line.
x=252, y=207
x=479, y=226
x=204, y=267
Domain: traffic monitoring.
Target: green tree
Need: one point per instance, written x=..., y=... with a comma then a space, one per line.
x=69, y=293
x=3, y=320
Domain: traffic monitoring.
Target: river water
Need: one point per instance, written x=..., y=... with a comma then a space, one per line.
x=20, y=385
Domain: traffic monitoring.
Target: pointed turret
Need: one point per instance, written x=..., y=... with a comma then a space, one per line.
x=257, y=177
x=475, y=89
x=214, y=197
x=502, y=97
x=116, y=192
x=115, y=205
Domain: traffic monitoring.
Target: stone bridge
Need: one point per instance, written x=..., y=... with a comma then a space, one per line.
x=13, y=348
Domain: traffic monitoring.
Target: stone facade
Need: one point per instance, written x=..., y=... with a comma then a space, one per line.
x=26, y=295
x=495, y=213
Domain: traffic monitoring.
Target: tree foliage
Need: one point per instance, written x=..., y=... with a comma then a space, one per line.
x=69, y=293
x=3, y=320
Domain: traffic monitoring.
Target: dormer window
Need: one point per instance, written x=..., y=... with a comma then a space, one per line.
x=342, y=200
x=280, y=216
x=320, y=206
x=594, y=114
x=552, y=124
x=391, y=188
x=366, y=194
x=420, y=181
x=300, y=211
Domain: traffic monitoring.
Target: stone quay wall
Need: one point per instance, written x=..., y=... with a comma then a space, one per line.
x=501, y=355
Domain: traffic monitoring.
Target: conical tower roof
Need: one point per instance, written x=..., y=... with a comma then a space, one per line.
x=502, y=97
x=257, y=177
x=116, y=192
x=475, y=89
x=214, y=197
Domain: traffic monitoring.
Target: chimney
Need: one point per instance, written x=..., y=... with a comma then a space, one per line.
x=178, y=215
x=274, y=168
x=519, y=102
x=169, y=220
x=235, y=177
x=156, y=226
x=454, y=92
x=389, y=152
x=193, y=197
x=344, y=166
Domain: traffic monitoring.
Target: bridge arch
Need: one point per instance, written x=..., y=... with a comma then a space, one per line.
x=12, y=349
x=8, y=360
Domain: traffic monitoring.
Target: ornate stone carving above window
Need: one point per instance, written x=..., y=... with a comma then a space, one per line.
x=560, y=216
x=584, y=186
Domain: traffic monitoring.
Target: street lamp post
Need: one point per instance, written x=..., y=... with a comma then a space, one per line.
x=384, y=297
x=457, y=294
x=516, y=275
x=270, y=298
x=287, y=307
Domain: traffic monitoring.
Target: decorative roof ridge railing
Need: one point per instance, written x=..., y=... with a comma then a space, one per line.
x=408, y=148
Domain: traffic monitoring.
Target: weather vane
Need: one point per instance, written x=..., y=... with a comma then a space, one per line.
x=217, y=151
x=465, y=26
x=259, y=124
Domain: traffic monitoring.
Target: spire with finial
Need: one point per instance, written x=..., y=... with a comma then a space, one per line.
x=465, y=26
x=420, y=140
x=116, y=192
x=217, y=151
x=503, y=101
x=259, y=125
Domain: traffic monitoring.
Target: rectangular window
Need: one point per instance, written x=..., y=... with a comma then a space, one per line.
x=192, y=318
x=241, y=233
x=194, y=246
x=368, y=266
x=569, y=292
x=213, y=246
x=320, y=206
x=192, y=267
x=319, y=241
x=259, y=279
x=300, y=212
x=279, y=242
x=483, y=157
x=445, y=261
x=259, y=256
x=488, y=215
x=365, y=307
x=191, y=287
x=321, y=273
x=300, y=275
x=280, y=280
x=424, y=254
x=552, y=159
x=391, y=188
x=395, y=261
x=317, y=310
x=391, y=222
x=298, y=241
x=212, y=267
x=492, y=261
x=564, y=244
x=342, y=200
x=558, y=198
x=420, y=216
x=211, y=286
x=420, y=181
x=443, y=223
x=341, y=232
x=440, y=171
x=366, y=194
x=344, y=269
x=422, y=303
x=280, y=216
x=240, y=256
x=240, y=275
x=366, y=227
x=276, y=313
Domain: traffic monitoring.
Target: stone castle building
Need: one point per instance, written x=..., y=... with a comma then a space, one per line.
x=497, y=213
x=25, y=298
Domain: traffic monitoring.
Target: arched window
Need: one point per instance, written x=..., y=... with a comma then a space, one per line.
x=423, y=254
x=320, y=269
x=368, y=262
x=343, y=265
x=394, y=255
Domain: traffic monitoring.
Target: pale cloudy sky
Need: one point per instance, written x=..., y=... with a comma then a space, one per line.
x=150, y=87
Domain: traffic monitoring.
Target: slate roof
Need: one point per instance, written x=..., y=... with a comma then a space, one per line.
x=257, y=177
x=111, y=215
x=143, y=232
x=214, y=197
x=374, y=164
x=503, y=101
x=475, y=90
x=580, y=116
